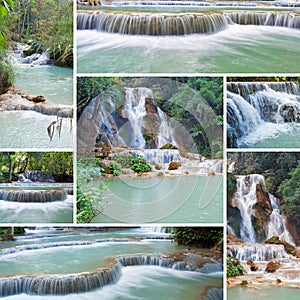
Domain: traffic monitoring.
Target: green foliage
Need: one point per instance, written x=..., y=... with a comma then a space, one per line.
x=205, y=236
x=115, y=169
x=231, y=185
x=234, y=267
x=57, y=164
x=289, y=190
x=89, y=204
x=139, y=165
x=48, y=24
x=124, y=159
x=88, y=169
x=90, y=87
x=244, y=282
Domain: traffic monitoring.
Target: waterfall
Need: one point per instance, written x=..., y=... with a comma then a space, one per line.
x=165, y=133
x=33, y=195
x=152, y=24
x=17, y=56
x=181, y=24
x=80, y=283
x=59, y=284
x=159, y=156
x=214, y=294
x=250, y=106
x=246, y=199
x=136, y=123
x=135, y=109
x=257, y=252
x=40, y=176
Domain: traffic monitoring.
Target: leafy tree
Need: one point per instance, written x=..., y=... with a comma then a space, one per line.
x=289, y=190
x=205, y=236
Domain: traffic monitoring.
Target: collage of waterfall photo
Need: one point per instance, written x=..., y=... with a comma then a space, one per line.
x=149, y=149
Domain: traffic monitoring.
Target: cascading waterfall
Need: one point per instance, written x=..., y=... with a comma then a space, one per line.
x=181, y=24
x=165, y=133
x=130, y=128
x=251, y=106
x=257, y=252
x=158, y=156
x=246, y=198
x=136, y=111
x=33, y=195
x=79, y=283
x=37, y=175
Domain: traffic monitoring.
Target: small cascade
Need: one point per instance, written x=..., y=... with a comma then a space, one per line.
x=214, y=294
x=31, y=247
x=257, y=252
x=40, y=196
x=135, y=110
x=35, y=59
x=253, y=105
x=37, y=175
x=246, y=198
x=181, y=24
x=80, y=283
x=152, y=24
x=59, y=285
x=209, y=268
x=165, y=132
x=22, y=178
x=265, y=19
x=159, y=156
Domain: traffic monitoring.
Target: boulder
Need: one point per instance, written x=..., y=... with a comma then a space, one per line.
x=290, y=112
x=253, y=266
x=173, y=165
x=36, y=99
x=272, y=266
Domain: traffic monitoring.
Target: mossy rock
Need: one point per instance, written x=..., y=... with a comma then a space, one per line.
x=173, y=165
x=168, y=146
x=272, y=266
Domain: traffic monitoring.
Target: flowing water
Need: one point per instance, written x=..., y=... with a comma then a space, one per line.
x=236, y=48
x=265, y=292
x=53, y=82
x=28, y=129
x=246, y=198
x=263, y=114
x=69, y=254
x=36, y=203
x=56, y=84
x=182, y=199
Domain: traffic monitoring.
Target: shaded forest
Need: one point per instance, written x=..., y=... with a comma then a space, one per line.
x=41, y=25
x=57, y=164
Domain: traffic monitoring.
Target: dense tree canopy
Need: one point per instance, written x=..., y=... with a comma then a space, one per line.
x=57, y=164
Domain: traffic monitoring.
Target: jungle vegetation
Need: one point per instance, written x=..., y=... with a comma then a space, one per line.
x=57, y=164
x=43, y=25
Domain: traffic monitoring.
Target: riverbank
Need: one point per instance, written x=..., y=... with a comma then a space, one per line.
x=17, y=99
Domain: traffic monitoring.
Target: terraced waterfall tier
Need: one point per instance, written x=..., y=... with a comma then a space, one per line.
x=180, y=24
x=33, y=195
x=79, y=283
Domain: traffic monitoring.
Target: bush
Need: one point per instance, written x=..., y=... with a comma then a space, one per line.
x=234, y=267
x=124, y=159
x=115, y=169
x=139, y=165
x=7, y=75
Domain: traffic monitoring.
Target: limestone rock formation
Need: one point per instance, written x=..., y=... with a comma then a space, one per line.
x=173, y=165
x=272, y=266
